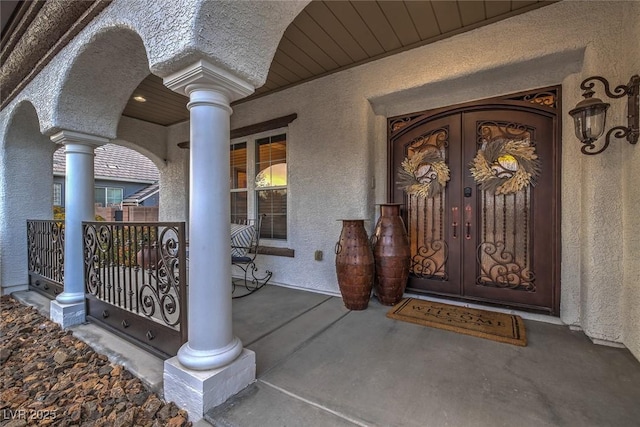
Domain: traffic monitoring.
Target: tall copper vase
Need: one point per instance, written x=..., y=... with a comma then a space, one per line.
x=392, y=255
x=354, y=264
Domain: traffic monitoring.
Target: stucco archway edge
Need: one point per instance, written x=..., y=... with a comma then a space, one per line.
x=116, y=51
x=240, y=37
x=97, y=83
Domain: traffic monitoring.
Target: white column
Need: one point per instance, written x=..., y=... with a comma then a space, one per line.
x=212, y=365
x=68, y=307
x=209, y=235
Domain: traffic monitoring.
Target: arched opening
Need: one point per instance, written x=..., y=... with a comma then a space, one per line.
x=126, y=184
x=99, y=82
x=26, y=178
x=100, y=87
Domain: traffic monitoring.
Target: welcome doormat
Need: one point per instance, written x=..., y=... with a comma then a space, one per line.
x=506, y=328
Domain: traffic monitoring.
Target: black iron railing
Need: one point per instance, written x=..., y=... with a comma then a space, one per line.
x=45, y=253
x=135, y=281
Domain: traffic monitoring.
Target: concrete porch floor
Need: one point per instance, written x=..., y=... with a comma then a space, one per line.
x=319, y=364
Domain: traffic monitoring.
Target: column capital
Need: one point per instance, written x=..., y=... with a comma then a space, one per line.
x=203, y=74
x=72, y=137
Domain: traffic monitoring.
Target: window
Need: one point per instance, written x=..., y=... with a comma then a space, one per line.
x=57, y=194
x=108, y=196
x=259, y=182
x=271, y=185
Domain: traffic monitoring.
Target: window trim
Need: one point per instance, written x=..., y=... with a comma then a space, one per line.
x=240, y=189
x=277, y=123
x=267, y=126
x=250, y=140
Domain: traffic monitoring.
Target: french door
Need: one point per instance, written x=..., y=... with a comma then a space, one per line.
x=475, y=243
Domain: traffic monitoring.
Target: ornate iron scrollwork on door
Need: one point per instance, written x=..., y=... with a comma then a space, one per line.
x=424, y=172
x=503, y=252
x=424, y=183
x=431, y=260
x=498, y=268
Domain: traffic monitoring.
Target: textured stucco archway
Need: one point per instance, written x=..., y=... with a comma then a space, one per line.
x=26, y=180
x=250, y=51
x=97, y=83
x=239, y=36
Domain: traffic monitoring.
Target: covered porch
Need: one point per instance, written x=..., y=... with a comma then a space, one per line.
x=340, y=164
x=319, y=364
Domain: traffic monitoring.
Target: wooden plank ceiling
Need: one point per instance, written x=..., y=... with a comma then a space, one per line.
x=330, y=36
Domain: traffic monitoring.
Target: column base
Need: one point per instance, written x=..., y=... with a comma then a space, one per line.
x=67, y=315
x=199, y=391
x=71, y=297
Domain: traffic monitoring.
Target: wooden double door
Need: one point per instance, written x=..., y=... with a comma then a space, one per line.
x=473, y=244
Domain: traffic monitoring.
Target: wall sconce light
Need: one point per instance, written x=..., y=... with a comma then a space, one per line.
x=589, y=116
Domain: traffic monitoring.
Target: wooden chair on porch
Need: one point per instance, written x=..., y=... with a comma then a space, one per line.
x=245, y=240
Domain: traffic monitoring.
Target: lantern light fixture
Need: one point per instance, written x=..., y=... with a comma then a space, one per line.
x=589, y=116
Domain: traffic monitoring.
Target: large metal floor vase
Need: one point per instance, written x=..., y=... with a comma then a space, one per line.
x=392, y=255
x=354, y=264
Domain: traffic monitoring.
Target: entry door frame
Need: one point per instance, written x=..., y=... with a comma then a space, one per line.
x=544, y=101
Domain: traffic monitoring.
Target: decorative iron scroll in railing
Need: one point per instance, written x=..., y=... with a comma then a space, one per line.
x=45, y=253
x=135, y=281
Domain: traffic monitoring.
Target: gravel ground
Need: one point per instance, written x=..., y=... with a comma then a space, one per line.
x=48, y=377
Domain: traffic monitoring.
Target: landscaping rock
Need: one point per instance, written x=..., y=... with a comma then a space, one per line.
x=60, y=357
x=47, y=374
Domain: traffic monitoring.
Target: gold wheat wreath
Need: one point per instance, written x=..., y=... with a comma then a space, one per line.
x=506, y=166
x=424, y=174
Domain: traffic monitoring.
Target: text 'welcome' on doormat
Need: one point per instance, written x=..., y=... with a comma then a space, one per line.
x=506, y=328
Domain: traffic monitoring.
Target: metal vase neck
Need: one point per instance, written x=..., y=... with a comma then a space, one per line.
x=390, y=210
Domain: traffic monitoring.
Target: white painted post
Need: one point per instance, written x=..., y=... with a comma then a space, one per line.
x=212, y=365
x=209, y=264
x=68, y=307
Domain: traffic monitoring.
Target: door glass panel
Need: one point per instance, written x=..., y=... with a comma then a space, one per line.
x=426, y=216
x=428, y=247
x=503, y=253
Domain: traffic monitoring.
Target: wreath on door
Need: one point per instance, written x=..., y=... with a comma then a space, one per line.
x=505, y=166
x=424, y=174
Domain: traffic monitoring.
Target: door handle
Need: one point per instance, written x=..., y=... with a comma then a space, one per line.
x=467, y=219
x=454, y=222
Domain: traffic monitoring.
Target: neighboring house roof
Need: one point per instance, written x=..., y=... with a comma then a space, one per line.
x=114, y=162
x=140, y=196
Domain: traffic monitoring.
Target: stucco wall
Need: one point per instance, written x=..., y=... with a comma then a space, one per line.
x=174, y=179
x=23, y=152
x=330, y=168
x=631, y=207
